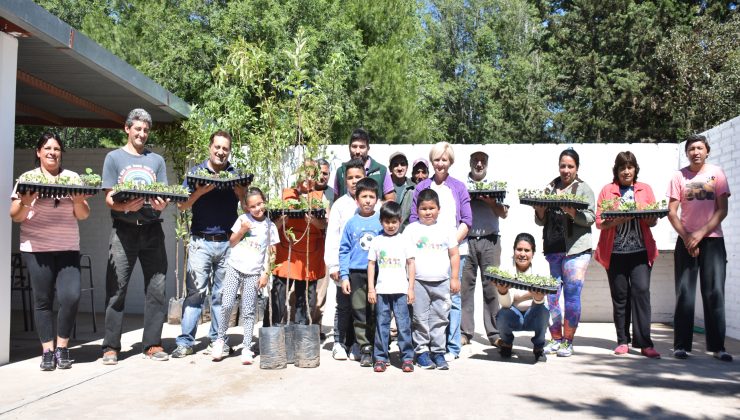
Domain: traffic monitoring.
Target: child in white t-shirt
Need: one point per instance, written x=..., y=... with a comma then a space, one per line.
x=252, y=243
x=437, y=263
x=394, y=291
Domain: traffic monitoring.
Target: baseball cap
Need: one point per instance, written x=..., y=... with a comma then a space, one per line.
x=396, y=154
x=479, y=151
x=421, y=161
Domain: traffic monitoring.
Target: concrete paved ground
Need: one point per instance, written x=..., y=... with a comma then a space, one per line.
x=592, y=383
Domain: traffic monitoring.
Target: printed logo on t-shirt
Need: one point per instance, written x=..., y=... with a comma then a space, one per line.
x=700, y=190
x=424, y=243
x=365, y=240
x=249, y=243
x=386, y=262
x=139, y=174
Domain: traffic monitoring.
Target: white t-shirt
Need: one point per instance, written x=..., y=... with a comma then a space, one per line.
x=448, y=211
x=248, y=256
x=431, y=245
x=391, y=253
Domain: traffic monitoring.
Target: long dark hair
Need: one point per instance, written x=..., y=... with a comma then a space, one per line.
x=43, y=139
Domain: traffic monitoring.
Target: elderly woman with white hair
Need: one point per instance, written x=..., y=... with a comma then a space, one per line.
x=454, y=211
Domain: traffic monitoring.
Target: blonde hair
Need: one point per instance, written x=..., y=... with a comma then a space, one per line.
x=440, y=149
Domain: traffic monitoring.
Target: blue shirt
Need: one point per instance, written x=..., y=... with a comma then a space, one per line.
x=216, y=211
x=355, y=243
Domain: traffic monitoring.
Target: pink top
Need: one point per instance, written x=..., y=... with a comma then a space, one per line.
x=48, y=228
x=697, y=192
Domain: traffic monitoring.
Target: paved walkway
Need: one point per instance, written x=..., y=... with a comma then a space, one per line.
x=592, y=383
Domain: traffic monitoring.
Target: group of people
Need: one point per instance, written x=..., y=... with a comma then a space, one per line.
x=398, y=249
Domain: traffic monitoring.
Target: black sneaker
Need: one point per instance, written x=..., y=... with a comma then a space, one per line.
x=504, y=349
x=61, y=356
x=539, y=355
x=366, y=360
x=47, y=361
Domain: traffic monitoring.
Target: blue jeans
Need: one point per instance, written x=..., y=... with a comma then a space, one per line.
x=453, y=329
x=398, y=304
x=204, y=258
x=535, y=319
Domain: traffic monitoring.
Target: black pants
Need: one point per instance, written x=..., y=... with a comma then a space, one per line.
x=278, y=311
x=49, y=272
x=629, y=282
x=710, y=266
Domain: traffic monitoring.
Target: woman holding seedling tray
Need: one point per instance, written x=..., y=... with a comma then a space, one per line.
x=627, y=250
x=567, y=247
x=522, y=299
x=53, y=260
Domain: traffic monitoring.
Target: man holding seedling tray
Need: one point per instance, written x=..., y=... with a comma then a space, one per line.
x=214, y=213
x=137, y=233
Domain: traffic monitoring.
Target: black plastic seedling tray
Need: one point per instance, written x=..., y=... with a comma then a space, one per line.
x=296, y=214
x=518, y=284
x=637, y=214
x=221, y=184
x=578, y=205
x=498, y=195
x=125, y=195
x=55, y=190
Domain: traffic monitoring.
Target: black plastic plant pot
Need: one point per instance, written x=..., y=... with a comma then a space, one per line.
x=289, y=347
x=498, y=195
x=306, y=346
x=637, y=214
x=272, y=348
x=518, y=284
x=125, y=195
x=578, y=205
x=54, y=190
x=221, y=184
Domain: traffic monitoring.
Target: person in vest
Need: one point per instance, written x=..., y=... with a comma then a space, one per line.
x=403, y=186
x=359, y=146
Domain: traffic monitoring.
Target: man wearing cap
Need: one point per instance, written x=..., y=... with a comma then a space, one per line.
x=403, y=186
x=484, y=251
x=420, y=170
x=359, y=146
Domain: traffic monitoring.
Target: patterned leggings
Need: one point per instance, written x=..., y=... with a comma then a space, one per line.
x=571, y=271
x=248, y=283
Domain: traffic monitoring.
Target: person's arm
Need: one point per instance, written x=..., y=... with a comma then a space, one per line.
x=411, y=270
x=371, y=297
x=720, y=212
x=238, y=235
x=265, y=276
x=124, y=206
x=389, y=192
x=80, y=206
x=539, y=215
x=21, y=206
x=454, y=254
x=200, y=191
x=585, y=217
x=345, y=247
x=414, y=215
x=331, y=245
x=505, y=300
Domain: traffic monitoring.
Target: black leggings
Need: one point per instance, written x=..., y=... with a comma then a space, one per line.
x=48, y=271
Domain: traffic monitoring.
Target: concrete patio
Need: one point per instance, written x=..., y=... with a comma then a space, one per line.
x=592, y=383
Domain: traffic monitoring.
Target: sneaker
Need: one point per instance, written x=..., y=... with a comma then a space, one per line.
x=723, y=356
x=449, y=357
x=407, y=366
x=650, y=353
x=424, y=361
x=504, y=349
x=366, y=359
x=439, y=360
x=224, y=353
x=181, y=351
x=621, y=349
x=61, y=356
x=156, y=353
x=47, y=361
x=338, y=352
x=110, y=356
x=552, y=346
x=539, y=355
x=247, y=357
x=354, y=353
x=379, y=366
x=566, y=349
x=680, y=354
x=464, y=340
x=495, y=342
x=217, y=350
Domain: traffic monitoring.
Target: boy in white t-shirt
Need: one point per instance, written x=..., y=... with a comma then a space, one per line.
x=437, y=263
x=393, y=292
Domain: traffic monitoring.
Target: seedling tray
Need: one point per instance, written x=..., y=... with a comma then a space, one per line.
x=578, y=205
x=55, y=190
x=637, y=214
x=518, y=284
x=296, y=214
x=220, y=184
x=125, y=195
x=498, y=195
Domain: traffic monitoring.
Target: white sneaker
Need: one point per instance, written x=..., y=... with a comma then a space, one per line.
x=247, y=357
x=449, y=357
x=217, y=351
x=354, y=353
x=338, y=352
x=552, y=346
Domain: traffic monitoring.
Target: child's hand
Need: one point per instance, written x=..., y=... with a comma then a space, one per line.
x=245, y=226
x=455, y=285
x=346, y=289
x=263, y=280
x=372, y=297
x=410, y=297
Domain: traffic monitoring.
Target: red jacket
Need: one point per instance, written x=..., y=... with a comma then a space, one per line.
x=643, y=195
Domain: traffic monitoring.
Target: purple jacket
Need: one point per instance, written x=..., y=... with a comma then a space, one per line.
x=463, y=213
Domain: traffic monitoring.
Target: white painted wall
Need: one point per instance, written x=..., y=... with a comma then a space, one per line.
x=8, y=69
